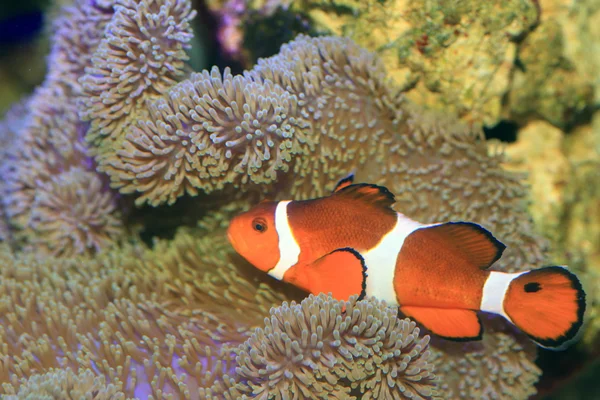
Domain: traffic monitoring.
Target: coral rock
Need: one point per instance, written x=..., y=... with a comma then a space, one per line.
x=455, y=56
x=547, y=85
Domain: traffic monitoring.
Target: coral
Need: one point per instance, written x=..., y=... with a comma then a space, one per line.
x=562, y=174
x=582, y=194
x=62, y=384
x=455, y=56
x=580, y=28
x=316, y=350
x=547, y=85
x=48, y=150
x=591, y=336
x=537, y=144
x=564, y=196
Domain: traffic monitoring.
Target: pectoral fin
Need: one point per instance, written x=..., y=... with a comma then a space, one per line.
x=451, y=324
x=341, y=272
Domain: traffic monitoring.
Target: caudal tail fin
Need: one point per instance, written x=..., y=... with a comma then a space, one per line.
x=547, y=304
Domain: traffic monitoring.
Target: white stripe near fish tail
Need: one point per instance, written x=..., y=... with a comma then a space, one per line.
x=289, y=250
x=494, y=292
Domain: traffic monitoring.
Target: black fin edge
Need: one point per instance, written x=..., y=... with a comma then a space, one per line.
x=454, y=339
x=363, y=291
x=465, y=339
x=500, y=247
x=349, y=178
x=575, y=327
x=382, y=189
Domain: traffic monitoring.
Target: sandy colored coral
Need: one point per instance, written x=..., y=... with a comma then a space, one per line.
x=455, y=56
x=582, y=198
x=546, y=84
x=538, y=152
x=580, y=27
x=562, y=171
x=563, y=176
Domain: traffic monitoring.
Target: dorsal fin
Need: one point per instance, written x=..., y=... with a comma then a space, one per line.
x=344, y=182
x=472, y=241
x=368, y=193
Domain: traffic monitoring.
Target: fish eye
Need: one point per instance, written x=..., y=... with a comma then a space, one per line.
x=259, y=225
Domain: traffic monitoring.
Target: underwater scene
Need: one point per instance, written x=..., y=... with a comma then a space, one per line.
x=276, y=199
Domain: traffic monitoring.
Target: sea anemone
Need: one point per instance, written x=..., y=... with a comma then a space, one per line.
x=64, y=384
x=344, y=93
x=76, y=33
x=46, y=177
x=323, y=97
x=73, y=213
x=141, y=55
x=212, y=130
x=441, y=169
x=315, y=349
x=500, y=366
x=47, y=150
x=181, y=318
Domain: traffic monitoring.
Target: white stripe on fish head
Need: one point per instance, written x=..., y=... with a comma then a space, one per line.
x=289, y=250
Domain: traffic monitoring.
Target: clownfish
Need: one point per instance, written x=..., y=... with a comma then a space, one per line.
x=353, y=243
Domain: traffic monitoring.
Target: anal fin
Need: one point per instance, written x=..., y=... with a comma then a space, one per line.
x=448, y=323
x=341, y=272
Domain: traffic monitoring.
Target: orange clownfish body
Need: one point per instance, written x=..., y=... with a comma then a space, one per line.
x=353, y=242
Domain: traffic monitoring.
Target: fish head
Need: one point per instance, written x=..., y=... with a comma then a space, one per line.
x=254, y=236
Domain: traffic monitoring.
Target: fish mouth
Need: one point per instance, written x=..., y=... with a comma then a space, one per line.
x=238, y=245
